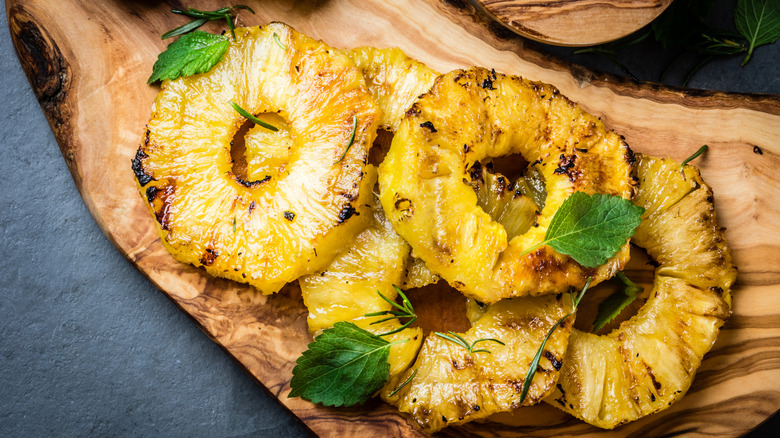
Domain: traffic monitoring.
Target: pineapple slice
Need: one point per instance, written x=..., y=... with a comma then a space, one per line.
x=447, y=385
x=347, y=289
x=469, y=116
x=394, y=79
x=649, y=362
x=270, y=231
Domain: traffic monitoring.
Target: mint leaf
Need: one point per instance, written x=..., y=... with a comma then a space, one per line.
x=758, y=21
x=615, y=303
x=592, y=228
x=193, y=53
x=344, y=366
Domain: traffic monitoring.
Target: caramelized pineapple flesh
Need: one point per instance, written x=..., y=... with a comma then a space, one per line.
x=650, y=360
x=470, y=116
x=293, y=220
x=449, y=385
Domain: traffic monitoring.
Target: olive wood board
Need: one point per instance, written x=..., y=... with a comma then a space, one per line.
x=88, y=61
x=574, y=22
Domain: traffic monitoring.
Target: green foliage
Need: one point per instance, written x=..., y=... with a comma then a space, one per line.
x=344, y=366
x=193, y=53
x=202, y=17
x=683, y=28
x=252, y=118
x=529, y=377
x=591, y=228
x=610, y=308
x=460, y=340
x=758, y=21
x=406, y=310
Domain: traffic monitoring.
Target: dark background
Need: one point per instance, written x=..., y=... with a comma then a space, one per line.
x=90, y=347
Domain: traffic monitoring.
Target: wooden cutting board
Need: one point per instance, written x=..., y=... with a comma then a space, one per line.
x=88, y=61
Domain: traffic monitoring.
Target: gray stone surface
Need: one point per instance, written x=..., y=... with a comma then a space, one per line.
x=89, y=347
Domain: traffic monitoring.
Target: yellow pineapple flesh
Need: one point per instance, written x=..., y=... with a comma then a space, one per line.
x=650, y=360
x=472, y=115
x=394, y=79
x=503, y=200
x=447, y=385
x=270, y=231
x=348, y=289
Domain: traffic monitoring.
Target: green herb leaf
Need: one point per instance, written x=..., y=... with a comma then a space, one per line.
x=758, y=21
x=591, y=228
x=187, y=28
x=406, y=382
x=279, y=42
x=406, y=310
x=201, y=17
x=694, y=156
x=615, y=303
x=351, y=140
x=252, y=118
x=529, y=377
x=460, y=340
x=344, y=366
x=193, y=53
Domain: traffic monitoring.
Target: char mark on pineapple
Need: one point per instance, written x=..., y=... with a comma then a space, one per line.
x=346, y=212
x=138, y=167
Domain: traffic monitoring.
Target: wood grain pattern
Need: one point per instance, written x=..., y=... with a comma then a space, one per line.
x=574, y=22
x=88, y=61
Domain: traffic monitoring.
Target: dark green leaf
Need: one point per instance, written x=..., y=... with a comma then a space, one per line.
x=193, y=53
x=615, y=303
x=344, y=366
x=592, y=228
x=758, y=21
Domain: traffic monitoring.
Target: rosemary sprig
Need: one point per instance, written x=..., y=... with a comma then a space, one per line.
x=404, y=384
x=278, y=42
x=405, y=310
x=458, y=339
x=529, y=377
x=202, y=17
x=251, y=117
x=694, y=156
x=351, y=140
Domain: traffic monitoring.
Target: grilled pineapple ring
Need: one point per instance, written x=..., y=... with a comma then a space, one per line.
x=471, y=115
x=270, y=231
x=649, y=362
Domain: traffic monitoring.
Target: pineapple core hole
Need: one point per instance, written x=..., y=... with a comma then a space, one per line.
x=439, y=308
x=259, y=153
x=640, y=270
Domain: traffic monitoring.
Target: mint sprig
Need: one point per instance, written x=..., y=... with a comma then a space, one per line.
x=193, y=53
x=344, y=366
x=591, y=228
x=610, y=308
